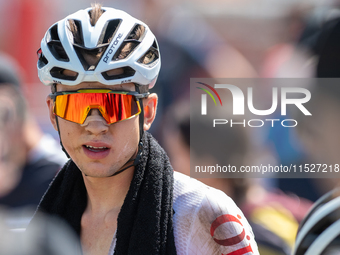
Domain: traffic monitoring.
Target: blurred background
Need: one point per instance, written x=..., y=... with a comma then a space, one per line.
x=197, y=38
x=219, y=39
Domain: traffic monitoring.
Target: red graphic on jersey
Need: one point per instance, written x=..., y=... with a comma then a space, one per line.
x=223, y=219
x=232, y=240
x=241, y=251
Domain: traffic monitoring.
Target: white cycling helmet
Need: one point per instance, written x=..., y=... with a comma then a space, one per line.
x=106, y=39
x=319, y=233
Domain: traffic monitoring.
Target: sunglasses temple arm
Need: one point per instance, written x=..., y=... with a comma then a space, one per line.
x=141, y=127
x=143, y=95
x=52, y=96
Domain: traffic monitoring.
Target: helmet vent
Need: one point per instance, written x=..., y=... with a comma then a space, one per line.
x=42, y=61
x=155, y=45
x=54, y=44
x=150, y=57
x=90, y=58
x=119, y=73
x=57, y=72
x=125, y=49
x=130, y=43
x=77, y=33
x=136, y=33
x=109, y=31
x=58, y=51
x=52, y=34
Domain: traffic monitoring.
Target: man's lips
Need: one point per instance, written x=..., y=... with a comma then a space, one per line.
x=97, y=145
x=92, y=148
x=96, y=150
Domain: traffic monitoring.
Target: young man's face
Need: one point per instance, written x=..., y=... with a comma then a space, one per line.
x=119, y=139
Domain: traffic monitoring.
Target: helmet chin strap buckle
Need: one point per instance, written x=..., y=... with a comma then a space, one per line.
x=139, y=153
x=94, y=118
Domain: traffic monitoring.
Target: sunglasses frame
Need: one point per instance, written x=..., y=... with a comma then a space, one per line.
x=138, y=97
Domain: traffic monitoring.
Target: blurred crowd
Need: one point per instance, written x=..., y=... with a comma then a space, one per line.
x=197, y=39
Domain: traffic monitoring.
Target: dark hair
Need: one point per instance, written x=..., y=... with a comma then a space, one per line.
x=9, y=71
x=20, y=106
x=10, y=80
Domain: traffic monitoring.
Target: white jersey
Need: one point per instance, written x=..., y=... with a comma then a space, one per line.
x=207, y=221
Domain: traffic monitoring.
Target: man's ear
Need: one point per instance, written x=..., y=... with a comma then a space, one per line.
x=150, y=108
x=50, y=105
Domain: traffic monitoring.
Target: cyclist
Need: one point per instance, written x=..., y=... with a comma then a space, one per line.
x=320, y=230
x=118, y=191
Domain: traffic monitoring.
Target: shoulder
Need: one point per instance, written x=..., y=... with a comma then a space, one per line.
x=207, y=221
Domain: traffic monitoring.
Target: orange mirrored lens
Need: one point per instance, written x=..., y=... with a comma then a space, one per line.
x=113, y=107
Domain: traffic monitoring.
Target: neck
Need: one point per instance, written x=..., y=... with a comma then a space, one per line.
x=107, y=194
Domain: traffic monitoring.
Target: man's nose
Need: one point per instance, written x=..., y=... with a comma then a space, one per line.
x=95, y=123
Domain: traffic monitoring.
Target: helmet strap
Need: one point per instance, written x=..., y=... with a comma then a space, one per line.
x=54, y=90
x=141, y=129
x=61, y=144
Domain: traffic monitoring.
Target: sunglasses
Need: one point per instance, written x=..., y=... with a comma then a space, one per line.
x=113, y=105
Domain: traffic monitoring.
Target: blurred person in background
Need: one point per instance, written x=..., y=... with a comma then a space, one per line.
x=319, y=134
x=191, y=48
x=29, y=159
x=274, y=216
x=47, y=236
x=312, y=51
x=319, y=232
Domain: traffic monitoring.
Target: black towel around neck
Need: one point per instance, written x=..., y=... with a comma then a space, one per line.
x=145, y=222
